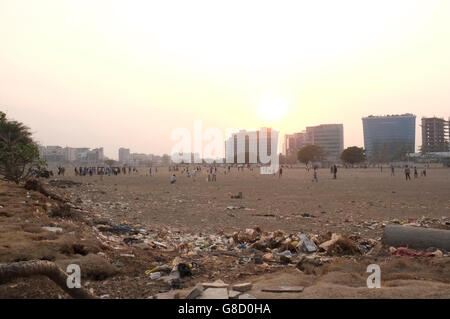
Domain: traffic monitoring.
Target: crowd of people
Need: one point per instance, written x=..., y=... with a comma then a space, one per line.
x=101, y=170
x=407, y=171
x=212, y=171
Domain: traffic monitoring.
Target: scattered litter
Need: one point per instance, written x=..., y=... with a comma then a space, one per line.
x=238, y=196
x=53, y=229
x=155, y=275
x=403, y=251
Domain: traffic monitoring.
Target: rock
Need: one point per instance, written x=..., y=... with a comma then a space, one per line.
x=246, y=296
x=167, y=295
x=281, y=289
x=195, y=292
x=215, y=284
x=215, y=293
x=233, y=294
x=243, y=287
x=53, y=229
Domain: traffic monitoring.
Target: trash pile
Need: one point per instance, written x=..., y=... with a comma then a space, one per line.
x=403, y=251
x=252, y=247
x=250, y=244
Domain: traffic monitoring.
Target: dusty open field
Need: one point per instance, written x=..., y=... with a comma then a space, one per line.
x=359, y=203
x=273, y=203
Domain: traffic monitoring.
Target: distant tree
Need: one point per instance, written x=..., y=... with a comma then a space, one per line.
x=310, y=153
x=166, y=159
x=19, y=154
x=111, y=162
x=291, y=158
x=353, y=155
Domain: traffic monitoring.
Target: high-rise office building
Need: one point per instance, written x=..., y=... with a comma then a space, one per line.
x=294, y=142
x=330, y=137
x=388, y=138
x=124, y=155
x=435, y=134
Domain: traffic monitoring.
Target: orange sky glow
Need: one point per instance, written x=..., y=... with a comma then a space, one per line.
x=127, y=73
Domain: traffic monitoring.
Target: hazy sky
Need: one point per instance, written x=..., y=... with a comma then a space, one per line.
x=126, y=73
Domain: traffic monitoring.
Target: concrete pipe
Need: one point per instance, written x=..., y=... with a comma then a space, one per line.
x=416, y=237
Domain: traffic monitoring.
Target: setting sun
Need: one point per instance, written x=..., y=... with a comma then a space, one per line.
x=272, y=108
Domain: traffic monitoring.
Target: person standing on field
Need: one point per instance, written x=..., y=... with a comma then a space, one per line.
x=407, y=173
x=315, y=175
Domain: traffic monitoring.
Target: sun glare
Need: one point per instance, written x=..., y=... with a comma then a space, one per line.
x=272, y=108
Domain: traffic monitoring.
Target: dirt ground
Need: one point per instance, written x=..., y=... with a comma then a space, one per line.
x=357, y=195
x=359, y=203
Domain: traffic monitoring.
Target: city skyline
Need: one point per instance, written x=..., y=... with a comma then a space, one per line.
x=281, y=139
x=327, y=139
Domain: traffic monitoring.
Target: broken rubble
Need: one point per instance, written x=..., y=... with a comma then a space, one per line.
x=195, y=292
x=215, y=284
x=167, y=295
x=233, y=294
x=282, y=289
x=246, y=296
x=243, y=287
x=306, y=245
x=214, y=293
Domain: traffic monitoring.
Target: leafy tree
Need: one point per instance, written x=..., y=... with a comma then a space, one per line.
x=111, y=162
x=311, y=153
x=19, y=154
x=166, y=159
x=353, y=155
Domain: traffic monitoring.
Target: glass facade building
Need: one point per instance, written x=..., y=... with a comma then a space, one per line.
x=388, y=138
